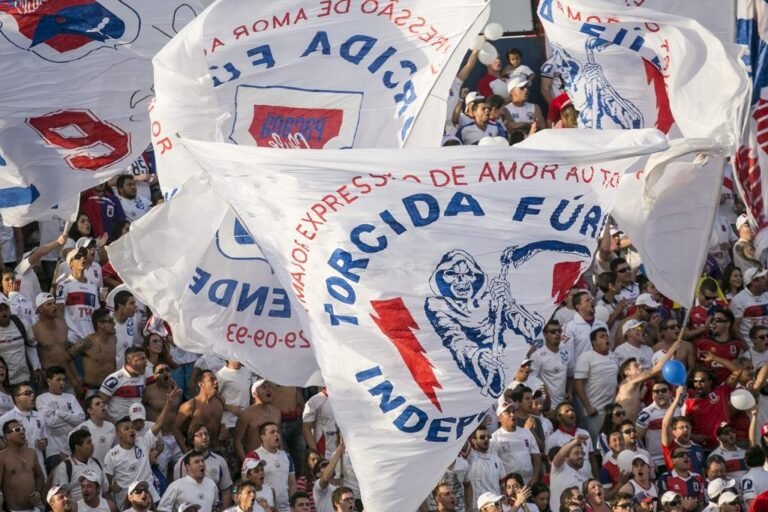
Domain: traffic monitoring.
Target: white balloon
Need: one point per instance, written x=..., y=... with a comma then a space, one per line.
x=493, y=31
x=624, y=460
x=742, y=399
x=493, y=141
x=478, y=43
x=487, y=54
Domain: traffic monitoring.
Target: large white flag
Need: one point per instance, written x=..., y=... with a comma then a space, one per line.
x=286, y=74
x=427, y=277
x=640, y=68
x=76, y=79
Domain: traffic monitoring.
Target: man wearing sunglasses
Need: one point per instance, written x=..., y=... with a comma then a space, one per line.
x=719, y=342
x=758, y=338
x=553, y=364
x=700, y=316
x=750, y=305
x=22, y=477
x=139, y=497
x=690, y=486
x=519, y=115
x=77, y=297
x=649, y=421
x=707, y=405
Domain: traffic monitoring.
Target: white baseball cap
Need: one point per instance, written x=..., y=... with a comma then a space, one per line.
x=488, y=498
x=56, y=489
x=137, y=412
x=42, y=298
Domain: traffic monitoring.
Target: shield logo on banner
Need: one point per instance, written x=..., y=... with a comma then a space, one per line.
x=293, y=118
x=234, y=242
x=68, y=30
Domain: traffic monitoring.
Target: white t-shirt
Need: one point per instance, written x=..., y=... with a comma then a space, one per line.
x=122, y=390
x=650, y=419
x=127, y=336
x=561, y=479
x=754, y=482
x=576, y=335
x=553, y=368
x=129, y=465
x=103, y=438
x=322, y=497
x=59, y=475
x=277, y=470
x=50, y=230
x=23, y=308
x=470, y=133
x=61, y=413
x=14, y=351
x=600, y=373
x=204, y=494
x=318, y=410
x=751, y=310
x=134, y=208
x=486, y=470
x=210, y=362
x=643, y=354
x=560, y=439
x=235, y=389
x=215, y=468
x=629, y=293
x=515, y=450
x=80, y=300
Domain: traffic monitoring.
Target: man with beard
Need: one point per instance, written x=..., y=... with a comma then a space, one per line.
x=215, y=466
x=125, y=387
x=206, y=408
x=444, y=498
x=262, y=411
x=577, y=331
x=676, y=433
x=245, y=498
x=21, y=476
x=90, y=492
x=51, y=334
x=719, y=343
x=553, y=364
x=139, y=497
x=566, y=469
x=195, y=487
x=134, y=205
x=98, y=352
x=486, y=469
x=279, y=471
x=516, y=494
x=157, y=390
x=464, y=314
x=129, y=461
x=707, y=406
x=689, y=485
x=567, y=431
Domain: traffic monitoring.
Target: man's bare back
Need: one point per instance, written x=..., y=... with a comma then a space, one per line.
x=248, y=425
x=98, y=358
x=208, y=413
x=21, y=476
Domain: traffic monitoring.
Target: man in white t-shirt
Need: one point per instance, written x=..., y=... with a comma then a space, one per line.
x=634, y=345
x=215, y=466
x=253, y=471
x=576, y=334
x=128, y=462
x=77, y=297
x=323, y=488
x=567, y=431
x=319, y=424
x=17, y=345
x=134, y=205
x=93, y=272
x=126, y=330
x=516, y=447
x=195, y=487
x=553, y=364
x=61, y=412
x=235, y=389
x=125, y=387
x=486, y=469
x=649, y=421
x=595, y=381
x=566, y=466
x=750, y=305
x=102, y=431
x=279, y=470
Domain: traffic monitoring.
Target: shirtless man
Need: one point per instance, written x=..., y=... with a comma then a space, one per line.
x=21, y=478
x=262, y=411
x=51, y=334
x=206, y=408
x=157, y=390
x=631, y=388
x=98, y=350
x=290, y=401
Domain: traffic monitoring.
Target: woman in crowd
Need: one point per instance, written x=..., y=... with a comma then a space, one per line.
x=732, y=282
x=614, y=415
x=593, y=491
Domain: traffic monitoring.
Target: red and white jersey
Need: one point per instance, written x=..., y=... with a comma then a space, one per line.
x=93, y=274
x=80, y=300
x=650, y=419
x=317, y=410
x=751, y=309
x=735, y=466
x=123, y=391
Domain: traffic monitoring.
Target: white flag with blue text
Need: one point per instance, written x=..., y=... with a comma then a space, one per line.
x=76, y=78
x=426, y=284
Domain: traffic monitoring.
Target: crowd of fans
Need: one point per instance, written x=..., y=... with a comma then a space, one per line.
x=101, y=411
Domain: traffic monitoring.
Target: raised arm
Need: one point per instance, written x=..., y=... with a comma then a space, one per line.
x=666, y=434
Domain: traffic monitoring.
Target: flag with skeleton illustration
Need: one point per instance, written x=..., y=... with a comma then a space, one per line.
x=627, y=67
x=432, y=271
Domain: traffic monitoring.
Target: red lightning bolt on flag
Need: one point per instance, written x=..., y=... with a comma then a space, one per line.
x=397, y=324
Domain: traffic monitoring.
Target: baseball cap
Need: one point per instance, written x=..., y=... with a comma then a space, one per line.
x=741, y=220
x=644, y=497
x=722, y=427
x=679, y=450
x=521, y=70
x=73, y=253
x=472, y=97
x=140, y=485
x=717, y=486
x=488, y=498
x=188, y=505
x=56, y=489
x=517, y=81
x=631, y=324
x=646, y=299
x=642, y=457
x=727, y=497
x=257, y=384
x=669, y=497
x=137, y=412
x=42, y=298
x=251, y=463
x=86, y=242
x=753, y=273
x=91, y=476
x=504, y=406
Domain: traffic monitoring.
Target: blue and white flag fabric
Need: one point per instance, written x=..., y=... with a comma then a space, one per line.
x=281, y=74
x=423, y=276
x=76, y=77
x=750, y=169
x=631, y=67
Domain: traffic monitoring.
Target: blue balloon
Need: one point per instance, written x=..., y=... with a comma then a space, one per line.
x=673, y=372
